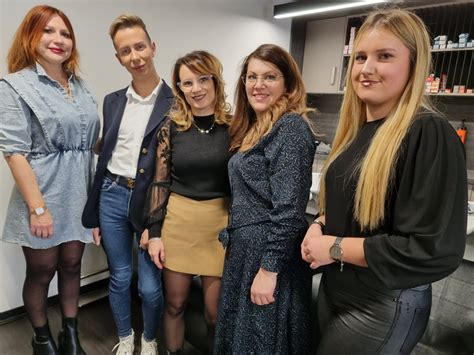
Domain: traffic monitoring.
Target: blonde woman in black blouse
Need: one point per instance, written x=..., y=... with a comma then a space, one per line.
x=187, y=203
x=393, y=199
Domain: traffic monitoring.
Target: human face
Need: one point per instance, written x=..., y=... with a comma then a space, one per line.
x=380, y=71
x=135, y=52
x=201, y=96
x=55, y=45
x=263, y=94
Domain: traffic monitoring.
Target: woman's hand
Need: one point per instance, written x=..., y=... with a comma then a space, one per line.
x=42, y=226
x=315, y=247
x=144, y=239
x=263, y=287
x=155, y=247
x=96, y=235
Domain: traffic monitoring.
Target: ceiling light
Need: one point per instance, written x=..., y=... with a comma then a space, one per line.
x=317, y=8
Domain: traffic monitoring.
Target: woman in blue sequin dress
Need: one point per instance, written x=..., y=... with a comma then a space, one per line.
x=266, y=288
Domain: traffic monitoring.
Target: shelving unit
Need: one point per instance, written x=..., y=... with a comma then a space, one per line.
x=456, y=63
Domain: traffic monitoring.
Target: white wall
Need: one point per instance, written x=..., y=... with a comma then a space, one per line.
x=230, y=29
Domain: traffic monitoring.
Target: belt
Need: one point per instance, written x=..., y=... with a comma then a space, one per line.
x=121, y=180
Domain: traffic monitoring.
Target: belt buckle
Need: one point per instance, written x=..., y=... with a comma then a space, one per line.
x=130, y=183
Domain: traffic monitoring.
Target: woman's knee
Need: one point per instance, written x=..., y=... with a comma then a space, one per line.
x=211, y=319
x=175, y=308
x=69, y=267
x=210, y=314
x=42, y=274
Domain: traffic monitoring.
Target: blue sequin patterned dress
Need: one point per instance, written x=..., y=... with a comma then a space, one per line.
x=270, y=189
x=56, y=134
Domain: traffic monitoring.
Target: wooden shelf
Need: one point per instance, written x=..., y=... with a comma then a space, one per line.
x=438, y=50
x=452, y=50
x=451, y=94
x=429, y=94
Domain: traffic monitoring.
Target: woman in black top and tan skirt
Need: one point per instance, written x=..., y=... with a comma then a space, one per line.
x=187, y=203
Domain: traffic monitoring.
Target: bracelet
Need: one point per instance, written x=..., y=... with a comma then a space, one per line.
x=321, y=224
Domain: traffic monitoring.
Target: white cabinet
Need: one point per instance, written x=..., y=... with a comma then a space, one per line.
x=323, y=55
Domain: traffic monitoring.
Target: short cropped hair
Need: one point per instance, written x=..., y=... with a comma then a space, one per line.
x=127, y=21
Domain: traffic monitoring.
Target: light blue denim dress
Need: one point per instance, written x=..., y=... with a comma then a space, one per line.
x=56, y=134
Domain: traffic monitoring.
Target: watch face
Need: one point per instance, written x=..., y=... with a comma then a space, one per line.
x=335, y=252
x=39, y=211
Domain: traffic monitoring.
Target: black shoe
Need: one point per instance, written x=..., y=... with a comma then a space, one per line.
x=44, y=346
x=68, y=339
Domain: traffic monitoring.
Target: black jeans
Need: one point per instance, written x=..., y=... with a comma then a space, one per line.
x=357, y=314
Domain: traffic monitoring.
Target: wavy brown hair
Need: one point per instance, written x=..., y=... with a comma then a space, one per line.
x=200, y=63
x=245, y=130
x=22, y=53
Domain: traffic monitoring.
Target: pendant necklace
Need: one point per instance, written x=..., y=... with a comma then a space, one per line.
x=206, y=131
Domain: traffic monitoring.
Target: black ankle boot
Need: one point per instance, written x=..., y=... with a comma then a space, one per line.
x=44, y=346
x=68, y=339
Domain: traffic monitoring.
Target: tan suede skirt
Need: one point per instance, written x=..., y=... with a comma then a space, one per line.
x=190, y=231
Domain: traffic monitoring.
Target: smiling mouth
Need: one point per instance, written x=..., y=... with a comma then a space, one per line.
x=367, y=83
x=56, y=50
x=198, y=97
x=140, y=67
x=260, y=96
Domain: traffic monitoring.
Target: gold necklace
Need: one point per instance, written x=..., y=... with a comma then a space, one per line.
x=206, y=131
x=68, y=89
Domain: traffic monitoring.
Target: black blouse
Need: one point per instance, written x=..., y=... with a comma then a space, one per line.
x=199, y=160
x=424, y=233
x=190, y=163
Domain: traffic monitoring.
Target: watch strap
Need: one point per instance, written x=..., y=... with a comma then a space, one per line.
x=38, y=211
x=336, y=252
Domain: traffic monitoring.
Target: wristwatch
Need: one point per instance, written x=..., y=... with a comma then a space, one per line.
x=38, y=211
x=336, y=251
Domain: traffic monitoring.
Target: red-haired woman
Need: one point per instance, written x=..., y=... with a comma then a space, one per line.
x=48, y=126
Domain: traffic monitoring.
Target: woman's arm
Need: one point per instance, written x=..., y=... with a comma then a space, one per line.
x=315, y=248
x=424, y=237
x=25, y=179
x=290, y=156
x=157, y=198
x=15, y=143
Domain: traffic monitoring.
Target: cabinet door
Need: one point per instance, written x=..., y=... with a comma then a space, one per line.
x=323, y=55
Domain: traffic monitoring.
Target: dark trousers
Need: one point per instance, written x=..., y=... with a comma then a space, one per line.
x=357, y=314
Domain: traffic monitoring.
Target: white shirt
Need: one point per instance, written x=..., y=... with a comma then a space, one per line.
x=135, y=118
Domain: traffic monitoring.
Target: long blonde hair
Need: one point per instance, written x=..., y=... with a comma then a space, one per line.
x=245, y=130
x=377, y=168
x=202, y=63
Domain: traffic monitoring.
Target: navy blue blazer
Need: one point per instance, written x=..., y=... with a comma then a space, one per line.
x=114, y=106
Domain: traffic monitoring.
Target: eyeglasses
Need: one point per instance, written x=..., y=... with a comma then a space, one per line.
x=202, y=81
x=268, y=78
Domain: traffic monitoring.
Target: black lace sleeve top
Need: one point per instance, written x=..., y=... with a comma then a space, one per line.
x=191, y=163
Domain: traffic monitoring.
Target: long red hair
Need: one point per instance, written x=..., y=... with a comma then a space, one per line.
x=23, y=53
